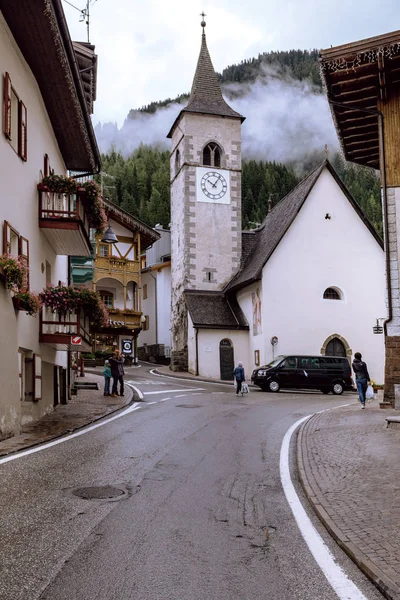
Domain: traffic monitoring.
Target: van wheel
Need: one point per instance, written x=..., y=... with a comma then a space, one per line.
x=337, y=388
x=273, y=386
x=325, y=390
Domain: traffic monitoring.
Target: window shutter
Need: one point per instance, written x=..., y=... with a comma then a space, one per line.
x=7, y=107
x=23, y=251
x=37, y=378
x=6, y=237
x=22, y=131
x=20, y=359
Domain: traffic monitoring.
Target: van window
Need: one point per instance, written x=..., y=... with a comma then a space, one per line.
x=304, y=362
x=290, y=363
x=329, y=362
x=315, y=362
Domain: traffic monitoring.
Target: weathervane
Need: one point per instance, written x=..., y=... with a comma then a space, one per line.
x=203, y=23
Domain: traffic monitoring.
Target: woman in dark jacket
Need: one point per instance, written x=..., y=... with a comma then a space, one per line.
x=362, y=377
x=117, y=372
x=239, y=376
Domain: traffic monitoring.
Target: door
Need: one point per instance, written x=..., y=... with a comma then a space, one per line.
x=289, y=374
x=335, y=348
x=226, y=360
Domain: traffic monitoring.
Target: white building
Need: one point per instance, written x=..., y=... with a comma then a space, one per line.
x=155, y=338
x=311, y=278
x=46, y=126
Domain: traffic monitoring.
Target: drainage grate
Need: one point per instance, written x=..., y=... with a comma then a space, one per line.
x=104, y=492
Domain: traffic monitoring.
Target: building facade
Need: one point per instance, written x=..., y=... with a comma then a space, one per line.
x=46, y=128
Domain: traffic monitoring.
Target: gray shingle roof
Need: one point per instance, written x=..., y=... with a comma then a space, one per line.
x=278, y=221
x=214, y=310
x=206, y=96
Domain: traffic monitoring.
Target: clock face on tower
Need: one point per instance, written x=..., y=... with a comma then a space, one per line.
x=213, y=185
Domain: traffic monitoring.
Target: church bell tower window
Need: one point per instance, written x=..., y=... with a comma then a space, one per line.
x=212, y=155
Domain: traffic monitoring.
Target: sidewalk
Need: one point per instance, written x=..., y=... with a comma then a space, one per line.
x=84, y=408
x=350, y=470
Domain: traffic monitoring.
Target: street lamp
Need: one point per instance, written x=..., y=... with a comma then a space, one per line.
x=109, y=236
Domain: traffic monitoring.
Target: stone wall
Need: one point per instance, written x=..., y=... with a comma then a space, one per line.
x=179, y=360
x=392, y=366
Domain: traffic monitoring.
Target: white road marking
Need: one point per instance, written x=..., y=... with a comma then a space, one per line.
x=337, y=578
x=181, y=396
x=129, y=410
x=149, y=403
x=139, y=393
x=172, y=391
x=185, y=378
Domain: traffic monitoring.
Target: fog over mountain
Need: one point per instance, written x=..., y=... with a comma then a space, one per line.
x=287, y=120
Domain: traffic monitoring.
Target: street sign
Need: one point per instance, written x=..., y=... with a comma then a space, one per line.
x=127, y=346
x=76, y=340
x=377, y=329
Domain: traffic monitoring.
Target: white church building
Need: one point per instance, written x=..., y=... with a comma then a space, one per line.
x=310, y=280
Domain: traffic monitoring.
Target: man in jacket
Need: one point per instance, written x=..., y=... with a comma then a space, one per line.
x=117, y=372
x=362, y=377
x=239, y=377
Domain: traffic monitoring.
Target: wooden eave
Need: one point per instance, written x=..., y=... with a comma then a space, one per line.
x=43, y=38
x=147, y=235
x=360, y=75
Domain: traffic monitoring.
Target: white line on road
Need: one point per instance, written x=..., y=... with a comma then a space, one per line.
x=172, y=391
x=139, y=393
x=185, y=378
x=69, y=437
x=181, y=396
x=337, y=578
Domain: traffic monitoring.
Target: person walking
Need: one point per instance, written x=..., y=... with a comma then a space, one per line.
x=239, y=377
x=107, y=377
x=362, y=377
x=117, y=371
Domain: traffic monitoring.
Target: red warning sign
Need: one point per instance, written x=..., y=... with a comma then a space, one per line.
x=76, y=340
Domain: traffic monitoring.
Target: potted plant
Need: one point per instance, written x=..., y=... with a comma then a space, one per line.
x=14, y=272
x=27, y=301
x=94, y=307
x=61, y=299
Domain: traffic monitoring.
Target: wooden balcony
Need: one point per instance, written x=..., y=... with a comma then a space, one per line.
x=118, y=268
x=62, y=332
x=64, y=222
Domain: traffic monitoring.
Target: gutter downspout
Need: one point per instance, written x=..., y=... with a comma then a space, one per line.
x=379, y=115
x=156, y=303
x=197, y=350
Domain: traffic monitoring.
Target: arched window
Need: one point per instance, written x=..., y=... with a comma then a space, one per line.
x=332, y=294
x=212, y=155
x=107, y=298
x=177, y=161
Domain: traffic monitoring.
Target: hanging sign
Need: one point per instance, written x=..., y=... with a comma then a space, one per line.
x=76, y=340
x=127, y=346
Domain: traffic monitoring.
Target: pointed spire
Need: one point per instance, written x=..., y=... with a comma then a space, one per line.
x=206, y=96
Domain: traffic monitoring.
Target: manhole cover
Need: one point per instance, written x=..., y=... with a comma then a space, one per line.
x=188, y=405
x=105, y=492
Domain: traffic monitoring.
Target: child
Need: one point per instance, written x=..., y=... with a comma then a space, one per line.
x=107, y=378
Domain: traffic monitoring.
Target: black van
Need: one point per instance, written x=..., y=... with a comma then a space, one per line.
x=325, y=373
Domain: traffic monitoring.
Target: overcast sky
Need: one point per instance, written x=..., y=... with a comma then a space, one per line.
x=148, y=49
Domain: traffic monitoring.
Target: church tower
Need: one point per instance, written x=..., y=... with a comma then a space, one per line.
x=205, y=165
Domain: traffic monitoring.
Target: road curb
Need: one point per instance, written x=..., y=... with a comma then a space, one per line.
x=67, y=432
x=385, y=585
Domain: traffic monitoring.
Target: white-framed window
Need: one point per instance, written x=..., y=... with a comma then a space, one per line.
x=15, y=119
x=107, y=298
x=104, y=249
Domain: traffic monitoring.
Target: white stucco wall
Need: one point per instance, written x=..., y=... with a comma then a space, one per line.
x=208, y=350
x=19, y=206
x=317, y=253
x=159, y=331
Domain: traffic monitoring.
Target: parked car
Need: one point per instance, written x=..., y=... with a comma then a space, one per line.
x=325, y=373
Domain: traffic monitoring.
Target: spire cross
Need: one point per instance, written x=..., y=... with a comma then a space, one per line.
x=203, y=23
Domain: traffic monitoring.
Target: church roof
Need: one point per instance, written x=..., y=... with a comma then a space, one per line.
x=214, y=310
x=278, y=221
x=206, y=96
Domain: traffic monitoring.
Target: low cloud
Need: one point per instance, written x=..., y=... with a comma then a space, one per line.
x=286, y=120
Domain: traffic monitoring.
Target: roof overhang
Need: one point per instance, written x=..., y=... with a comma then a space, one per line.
x=356, y=78
x=147, y=234
x=43, y=38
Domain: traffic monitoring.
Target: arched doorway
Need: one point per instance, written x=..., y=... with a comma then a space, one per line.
x=226, y=359
x=335, y=348
x=336, y=345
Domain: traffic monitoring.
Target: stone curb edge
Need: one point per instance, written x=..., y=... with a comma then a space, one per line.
x=385, y=585
x=72, y=429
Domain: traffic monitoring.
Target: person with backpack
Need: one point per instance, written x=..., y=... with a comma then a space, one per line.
x=239, y=377
x=362, y=377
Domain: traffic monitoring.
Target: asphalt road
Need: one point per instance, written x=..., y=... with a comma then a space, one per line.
x=201, y=515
